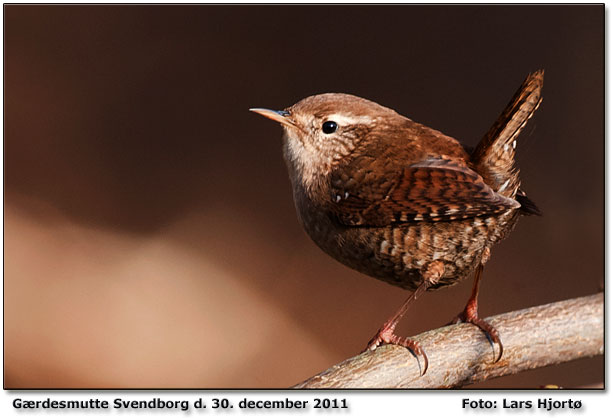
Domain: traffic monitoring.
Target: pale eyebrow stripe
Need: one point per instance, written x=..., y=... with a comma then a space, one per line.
x=344, y=120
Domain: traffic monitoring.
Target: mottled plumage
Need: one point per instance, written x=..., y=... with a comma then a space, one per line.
x=402, y=202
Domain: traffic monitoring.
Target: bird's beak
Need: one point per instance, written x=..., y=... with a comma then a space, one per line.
x=281, y=116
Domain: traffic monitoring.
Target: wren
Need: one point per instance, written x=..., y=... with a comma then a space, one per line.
x=402, y=202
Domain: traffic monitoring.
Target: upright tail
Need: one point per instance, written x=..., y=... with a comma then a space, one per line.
x=494, y=157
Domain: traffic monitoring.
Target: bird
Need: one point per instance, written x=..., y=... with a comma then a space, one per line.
x=402, y=202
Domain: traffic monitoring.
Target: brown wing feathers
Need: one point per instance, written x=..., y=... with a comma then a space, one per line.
x=444, y=193
x=433, y=190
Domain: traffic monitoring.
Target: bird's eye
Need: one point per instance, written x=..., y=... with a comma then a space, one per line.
x=329, y=127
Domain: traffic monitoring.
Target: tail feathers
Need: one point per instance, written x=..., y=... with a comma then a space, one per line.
x=528, y=207
x=494, y=157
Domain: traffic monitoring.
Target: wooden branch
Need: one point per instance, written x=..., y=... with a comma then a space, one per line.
x=462, y=354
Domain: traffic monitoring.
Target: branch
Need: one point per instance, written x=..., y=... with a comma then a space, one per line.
x=462, y=354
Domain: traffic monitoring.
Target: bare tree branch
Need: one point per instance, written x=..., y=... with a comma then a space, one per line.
x=462, y=354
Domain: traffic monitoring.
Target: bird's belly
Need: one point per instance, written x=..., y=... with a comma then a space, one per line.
x=398, y=254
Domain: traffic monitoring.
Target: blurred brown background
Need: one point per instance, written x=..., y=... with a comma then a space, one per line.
x=150, y=233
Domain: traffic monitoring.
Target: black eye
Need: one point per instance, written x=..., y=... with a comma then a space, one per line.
x=329, y=127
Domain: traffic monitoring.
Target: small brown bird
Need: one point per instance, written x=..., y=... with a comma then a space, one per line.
x=402, y=202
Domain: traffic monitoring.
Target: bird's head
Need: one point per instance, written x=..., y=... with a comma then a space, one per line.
x=322, y=130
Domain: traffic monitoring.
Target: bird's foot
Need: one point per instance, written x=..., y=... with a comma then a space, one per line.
x=489, y=330
x=386, y=336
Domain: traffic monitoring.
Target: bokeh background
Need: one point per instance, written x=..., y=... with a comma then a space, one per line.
x=150, y=234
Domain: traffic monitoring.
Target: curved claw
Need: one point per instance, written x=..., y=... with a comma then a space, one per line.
x=500, y=353
x=417, y=351
x=493, y=336
x=490, y=332
x=388, y=337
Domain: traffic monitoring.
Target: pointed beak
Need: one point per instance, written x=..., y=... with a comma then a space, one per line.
x=281, y=116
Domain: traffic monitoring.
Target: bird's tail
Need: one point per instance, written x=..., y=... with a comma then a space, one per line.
x=494, y=157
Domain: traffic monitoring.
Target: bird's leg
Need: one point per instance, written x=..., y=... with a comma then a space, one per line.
x=431, y=276
x=470, y=313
